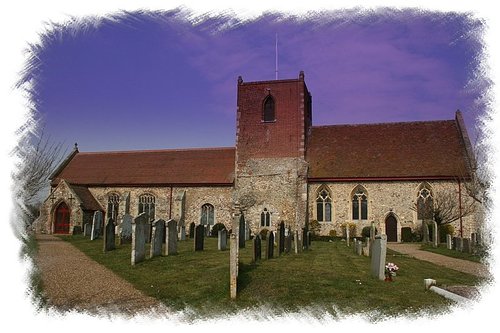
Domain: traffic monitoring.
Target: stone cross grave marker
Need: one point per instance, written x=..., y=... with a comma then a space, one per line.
x=379, y=251
x=257, y=250
x=109, y=236
x=241, y=232
x=87, y=229
x=156, y=238
x=270, y=245
x=125, y=233
x=191, y=230
x=96, y=225
x=449, y=245
x=222, y=240
x=280, y=237
x=138, y=239
x=199, y=234
x=171, y=238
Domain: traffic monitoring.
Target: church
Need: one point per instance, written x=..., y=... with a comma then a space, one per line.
x=282, y=168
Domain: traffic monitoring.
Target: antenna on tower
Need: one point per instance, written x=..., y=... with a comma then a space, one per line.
x=276, y=70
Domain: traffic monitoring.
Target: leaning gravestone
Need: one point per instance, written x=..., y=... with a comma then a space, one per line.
x=379, y=251
x=241, y=232
x=191, y=230
x=87, y=229
x=96, y=225
x=138, y=240
x=280, y=235
x=125, y=232
x=257, y=253
x=156, y=238
x=109, y=236
x=448, y=242
x=171, y=238
x=222, y=240
x=199, y=234
x=270, y=245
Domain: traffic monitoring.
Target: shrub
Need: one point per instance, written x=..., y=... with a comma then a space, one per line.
x=406, y=234
x=352, y=230
x=314, y=227
x=215, y=229
x=446, y=229
x=263, y=234
x=365, y=232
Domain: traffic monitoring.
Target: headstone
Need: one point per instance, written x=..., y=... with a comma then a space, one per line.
x=199, y=234
x=109, y=236
x=296, y=242
x=455, y=243
x=147, y=231
x=280, y=237
x=379, y=251
x=125, y=233
x=248, y=231
x=372, y=231
x=171, y=238
x=222, y=240
x=288, y=243
x=309, y=239
x=157, y=238
x=191, y=230
x=354, y=243
x=182, y=233
x=347, y=236
x=241, y=233
x=270, y=245
x=479, y=238
x=96, y=225
x=466, y=245
x=425, y=232
x=138, y=240
x=473, y=239
x=257, y=252
x=87, y=229
x=359, y=248
x=435, y=234
x=305, y=243
x=459, y=244
x=449, y=245
x=366, y=247
x=234, y=252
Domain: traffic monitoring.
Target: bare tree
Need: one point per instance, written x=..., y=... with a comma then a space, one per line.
x=448, y=209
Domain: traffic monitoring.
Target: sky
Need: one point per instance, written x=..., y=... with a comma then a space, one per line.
x=167, y=79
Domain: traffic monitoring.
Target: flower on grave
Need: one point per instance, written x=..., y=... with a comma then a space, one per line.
x=391, y=269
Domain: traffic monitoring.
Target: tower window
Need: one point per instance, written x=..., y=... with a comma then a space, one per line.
x=268, y=112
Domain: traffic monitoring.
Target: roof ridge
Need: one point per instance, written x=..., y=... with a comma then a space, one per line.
x=388, y=123
x=156, y=150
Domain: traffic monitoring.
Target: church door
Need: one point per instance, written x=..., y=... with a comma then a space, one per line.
x=391, y=228
x=61, y=225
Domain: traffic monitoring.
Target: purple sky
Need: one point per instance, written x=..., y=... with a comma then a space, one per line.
x=154, y=81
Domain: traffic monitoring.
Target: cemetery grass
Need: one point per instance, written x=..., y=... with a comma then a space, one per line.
x=441, y=249
x=328, y=278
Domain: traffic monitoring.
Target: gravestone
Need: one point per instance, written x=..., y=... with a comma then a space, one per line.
x=309, y=239
x=138, y=240
x=96, y=225
x=435, y=234
x=191, y=230
x=473, y=239
x=87, y=229
x=280, y=235
x=366, y=247
x=257, y=251
x=455, y=243
x=125, y=234
x=379, y=251
x=347, y=235
x=354, y=244
x=270, y=245
x=241, y=232
x=296, y=242
x=449, y=244
x=425, y=232
x=156, y=238
x=372, y=231
x=109, y=236
x=459, y=244
x=359, y=248
x=466, y=245
x=288, y=243
x=479, y=238
x=248, y=231
x=222, y=240
x=147, y=231
x=171, y=238
x=182, y=233
x=234, y=252
x=199, y=234
x=305, y=243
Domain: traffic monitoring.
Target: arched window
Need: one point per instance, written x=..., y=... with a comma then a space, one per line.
x=113, y=204
x=425, y=203
x=268, y=112
x=360, y=204
x=323, y=205
x=147, y=205
x=207, y=214
x=265, y=218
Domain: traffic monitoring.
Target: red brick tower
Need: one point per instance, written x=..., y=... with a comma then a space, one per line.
x=273, y=119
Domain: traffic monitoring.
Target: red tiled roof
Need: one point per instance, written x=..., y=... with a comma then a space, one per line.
x=149, y=167
x=389, y=150
x=87, y=199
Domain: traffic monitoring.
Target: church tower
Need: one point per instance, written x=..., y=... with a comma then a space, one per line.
x=273, y=121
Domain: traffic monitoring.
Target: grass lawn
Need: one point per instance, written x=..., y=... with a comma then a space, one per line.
x=441, y=249
x=327, y=278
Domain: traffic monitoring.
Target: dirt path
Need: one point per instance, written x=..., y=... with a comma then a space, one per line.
x=71, y=280
x=413, y=250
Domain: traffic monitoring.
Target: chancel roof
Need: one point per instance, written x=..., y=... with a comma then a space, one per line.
x=208, y=166
x=427, y=149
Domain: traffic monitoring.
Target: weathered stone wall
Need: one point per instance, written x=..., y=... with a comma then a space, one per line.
x=384, y=198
